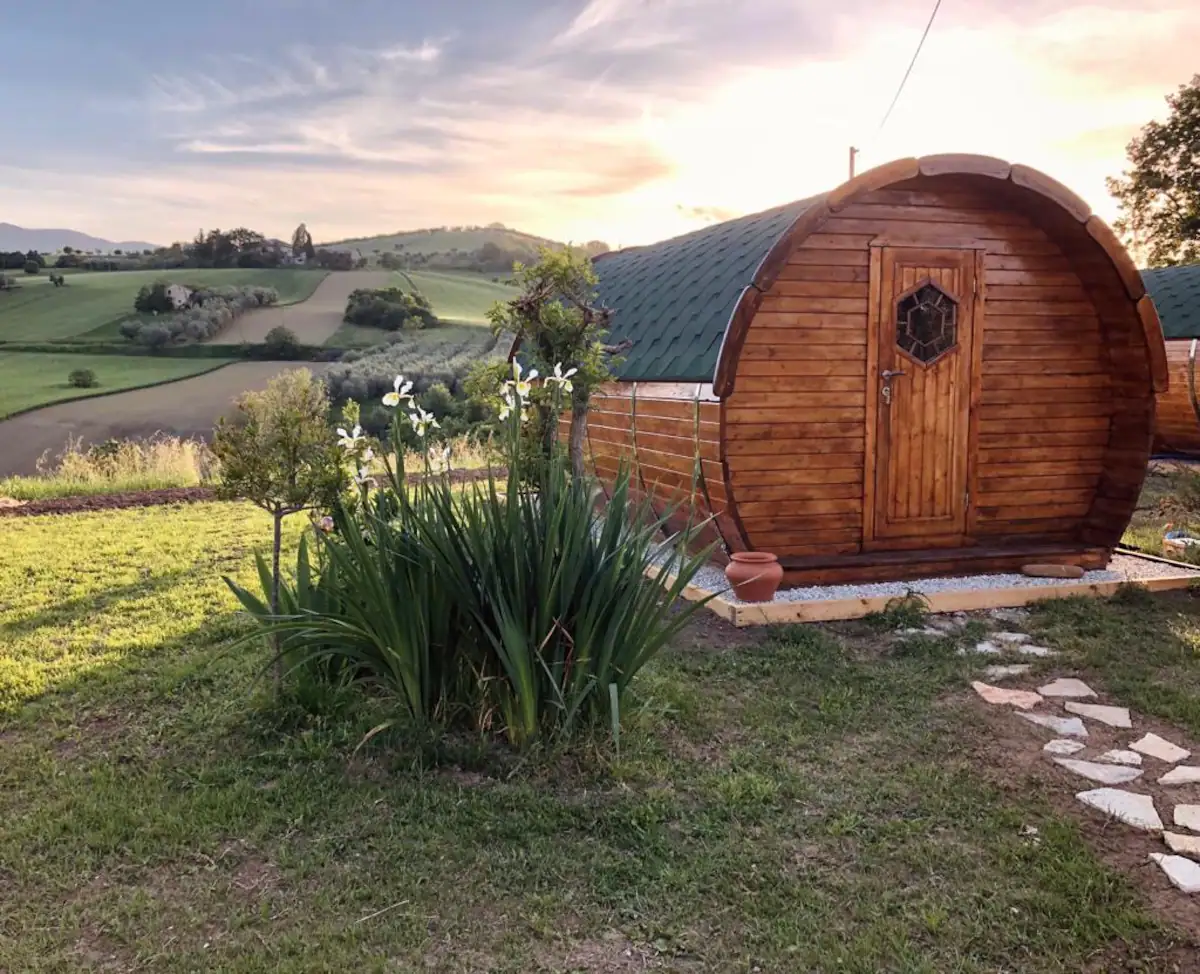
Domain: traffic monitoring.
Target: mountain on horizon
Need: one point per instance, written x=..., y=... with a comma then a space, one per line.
x=50, y=241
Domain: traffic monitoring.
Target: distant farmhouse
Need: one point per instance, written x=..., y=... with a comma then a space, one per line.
x=179, y=296
x=283, y=253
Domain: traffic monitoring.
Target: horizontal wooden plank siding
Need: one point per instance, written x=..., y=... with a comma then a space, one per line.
x=1176, y=428
x=671, y=447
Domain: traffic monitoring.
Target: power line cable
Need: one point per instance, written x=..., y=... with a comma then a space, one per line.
x=904, y=80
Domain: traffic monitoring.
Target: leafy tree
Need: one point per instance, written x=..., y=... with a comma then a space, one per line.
x=1159, y=195
x=302, y=242
x=557, y=323
x=281, y=343
x=279, y=455
x=32, y=267
x=68, y=250
x=83, y=379
x=152, y=298
x=335, y=260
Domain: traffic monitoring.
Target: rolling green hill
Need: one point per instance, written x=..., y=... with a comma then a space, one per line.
x=443, y=240
x=39, y=312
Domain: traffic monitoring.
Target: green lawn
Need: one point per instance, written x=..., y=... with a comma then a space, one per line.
x=817, y=799
x=92, y=304
x=1159, y=508
x=460, y=298
x=29, y=379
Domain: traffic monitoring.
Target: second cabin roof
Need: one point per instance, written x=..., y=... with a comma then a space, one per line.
x=1176, y=294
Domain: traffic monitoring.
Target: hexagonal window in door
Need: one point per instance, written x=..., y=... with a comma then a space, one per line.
x=926, y=322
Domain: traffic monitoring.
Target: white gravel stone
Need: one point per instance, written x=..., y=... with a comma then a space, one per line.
x=1066, y=726
x=1184, y=774
x=1011, y=638
x=1040, y=651
x=1122, y=568
x=1187, y=817
x=945, y=623
x=1063, y=747
x=1125, y=806
x=984, y=648
x=1185, y=845
x=1001, y=671
x=1025, y=699
x=1066, y=687
x=1011, y=616
x=1113, y=716
x=1161, y=748
x=1106, y=774
x=1121, y=757
x=1182, y=872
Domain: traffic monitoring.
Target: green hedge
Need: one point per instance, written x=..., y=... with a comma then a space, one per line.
x=246, y=350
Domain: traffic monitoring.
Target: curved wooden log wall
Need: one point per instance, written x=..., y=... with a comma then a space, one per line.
x=1177, y=429
x=1066, y=357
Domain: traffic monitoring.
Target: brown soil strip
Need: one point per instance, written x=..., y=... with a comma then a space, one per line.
x=170, y=495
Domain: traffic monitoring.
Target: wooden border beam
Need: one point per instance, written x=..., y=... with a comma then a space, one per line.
x=743, y=614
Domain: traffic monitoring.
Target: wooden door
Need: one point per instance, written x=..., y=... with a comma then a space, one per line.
x=926, y=332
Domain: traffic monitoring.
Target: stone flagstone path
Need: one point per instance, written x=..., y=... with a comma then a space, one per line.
x=1058, y=706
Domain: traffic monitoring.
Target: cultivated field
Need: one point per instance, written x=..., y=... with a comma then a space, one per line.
x=192, y=406
x=187, y=408
x=315, y=320
x=29, y=379
x=95, y=302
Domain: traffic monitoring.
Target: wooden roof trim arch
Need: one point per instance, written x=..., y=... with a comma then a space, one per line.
x=881, y=177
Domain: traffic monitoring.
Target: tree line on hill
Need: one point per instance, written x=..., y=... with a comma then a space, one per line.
x=239, y=247
x=491, y=258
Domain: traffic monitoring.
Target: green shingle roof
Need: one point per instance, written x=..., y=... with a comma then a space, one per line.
x=1176, y=294
x=674, y=299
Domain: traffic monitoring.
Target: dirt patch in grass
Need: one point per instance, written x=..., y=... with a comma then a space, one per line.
x=612, y=954
x=105, y=502
x=1012, y=758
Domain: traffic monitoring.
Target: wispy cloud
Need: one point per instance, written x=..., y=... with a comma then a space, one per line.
x=577, y=118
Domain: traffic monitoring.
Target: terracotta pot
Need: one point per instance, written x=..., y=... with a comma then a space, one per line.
x=754, y=575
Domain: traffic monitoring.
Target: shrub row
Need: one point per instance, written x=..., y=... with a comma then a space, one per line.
x=215, y=308
x=247, y=350
x=428, y=360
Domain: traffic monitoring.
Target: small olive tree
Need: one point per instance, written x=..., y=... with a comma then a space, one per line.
x=557, y=322
x=279, y=454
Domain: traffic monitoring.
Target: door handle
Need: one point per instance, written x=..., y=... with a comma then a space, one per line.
x=887, y=375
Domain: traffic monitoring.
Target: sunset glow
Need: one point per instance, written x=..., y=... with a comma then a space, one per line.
x=625, y=120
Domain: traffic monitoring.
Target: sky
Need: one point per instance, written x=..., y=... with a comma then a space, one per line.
x=622, y=120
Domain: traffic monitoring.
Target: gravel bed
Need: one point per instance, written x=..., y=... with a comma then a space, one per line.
x=1121, y=568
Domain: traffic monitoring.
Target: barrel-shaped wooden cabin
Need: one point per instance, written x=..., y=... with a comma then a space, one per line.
x=946, y=365
x=1176, y=294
